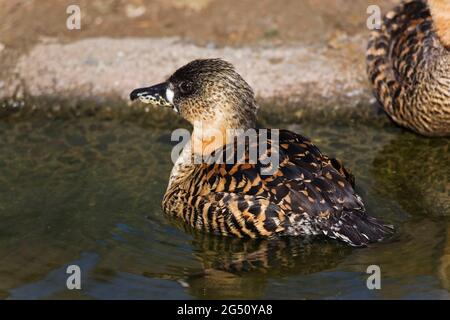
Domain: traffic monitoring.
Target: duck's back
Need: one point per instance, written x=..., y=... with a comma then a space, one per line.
x=307, y=194
x=409, y=68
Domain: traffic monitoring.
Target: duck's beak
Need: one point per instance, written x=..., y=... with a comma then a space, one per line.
x=156, y=95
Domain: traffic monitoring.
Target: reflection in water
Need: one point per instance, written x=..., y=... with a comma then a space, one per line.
x=415, y=173
x=235, y=268
x=68, y=187
x=444, y=266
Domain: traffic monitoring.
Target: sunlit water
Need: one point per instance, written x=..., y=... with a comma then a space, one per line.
x=88, y=192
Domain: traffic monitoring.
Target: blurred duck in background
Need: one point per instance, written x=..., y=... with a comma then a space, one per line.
x=408, y=63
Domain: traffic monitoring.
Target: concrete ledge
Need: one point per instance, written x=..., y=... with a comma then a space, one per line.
x=309, y=75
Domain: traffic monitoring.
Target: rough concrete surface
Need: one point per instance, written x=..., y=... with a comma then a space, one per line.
x=107, y=66
x=304, y=51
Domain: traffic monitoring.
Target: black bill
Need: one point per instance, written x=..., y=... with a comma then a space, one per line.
x=154, y=95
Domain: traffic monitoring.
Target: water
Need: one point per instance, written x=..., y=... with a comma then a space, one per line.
x=88, y=191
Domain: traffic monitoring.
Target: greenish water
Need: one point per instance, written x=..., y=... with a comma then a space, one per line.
x=88, y=191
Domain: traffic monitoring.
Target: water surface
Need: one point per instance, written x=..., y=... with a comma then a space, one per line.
x=88, y=191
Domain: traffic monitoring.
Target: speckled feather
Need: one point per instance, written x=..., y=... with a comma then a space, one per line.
x=309, y=195
x=409, y=68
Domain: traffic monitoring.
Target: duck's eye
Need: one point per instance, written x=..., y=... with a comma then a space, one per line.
x=185, y=87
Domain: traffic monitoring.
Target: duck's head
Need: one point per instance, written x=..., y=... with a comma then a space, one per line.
x=209, y=91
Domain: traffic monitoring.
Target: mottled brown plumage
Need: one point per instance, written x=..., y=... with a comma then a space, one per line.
x=408, y=63
x=307, y=194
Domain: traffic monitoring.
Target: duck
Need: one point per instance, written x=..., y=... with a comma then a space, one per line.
x=408, y=64
x=215, y=188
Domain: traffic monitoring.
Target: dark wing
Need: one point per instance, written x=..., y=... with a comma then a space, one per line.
x=308, y=194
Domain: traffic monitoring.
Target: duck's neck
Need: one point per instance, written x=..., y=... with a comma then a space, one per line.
x=206, y=137
x=440, y=11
